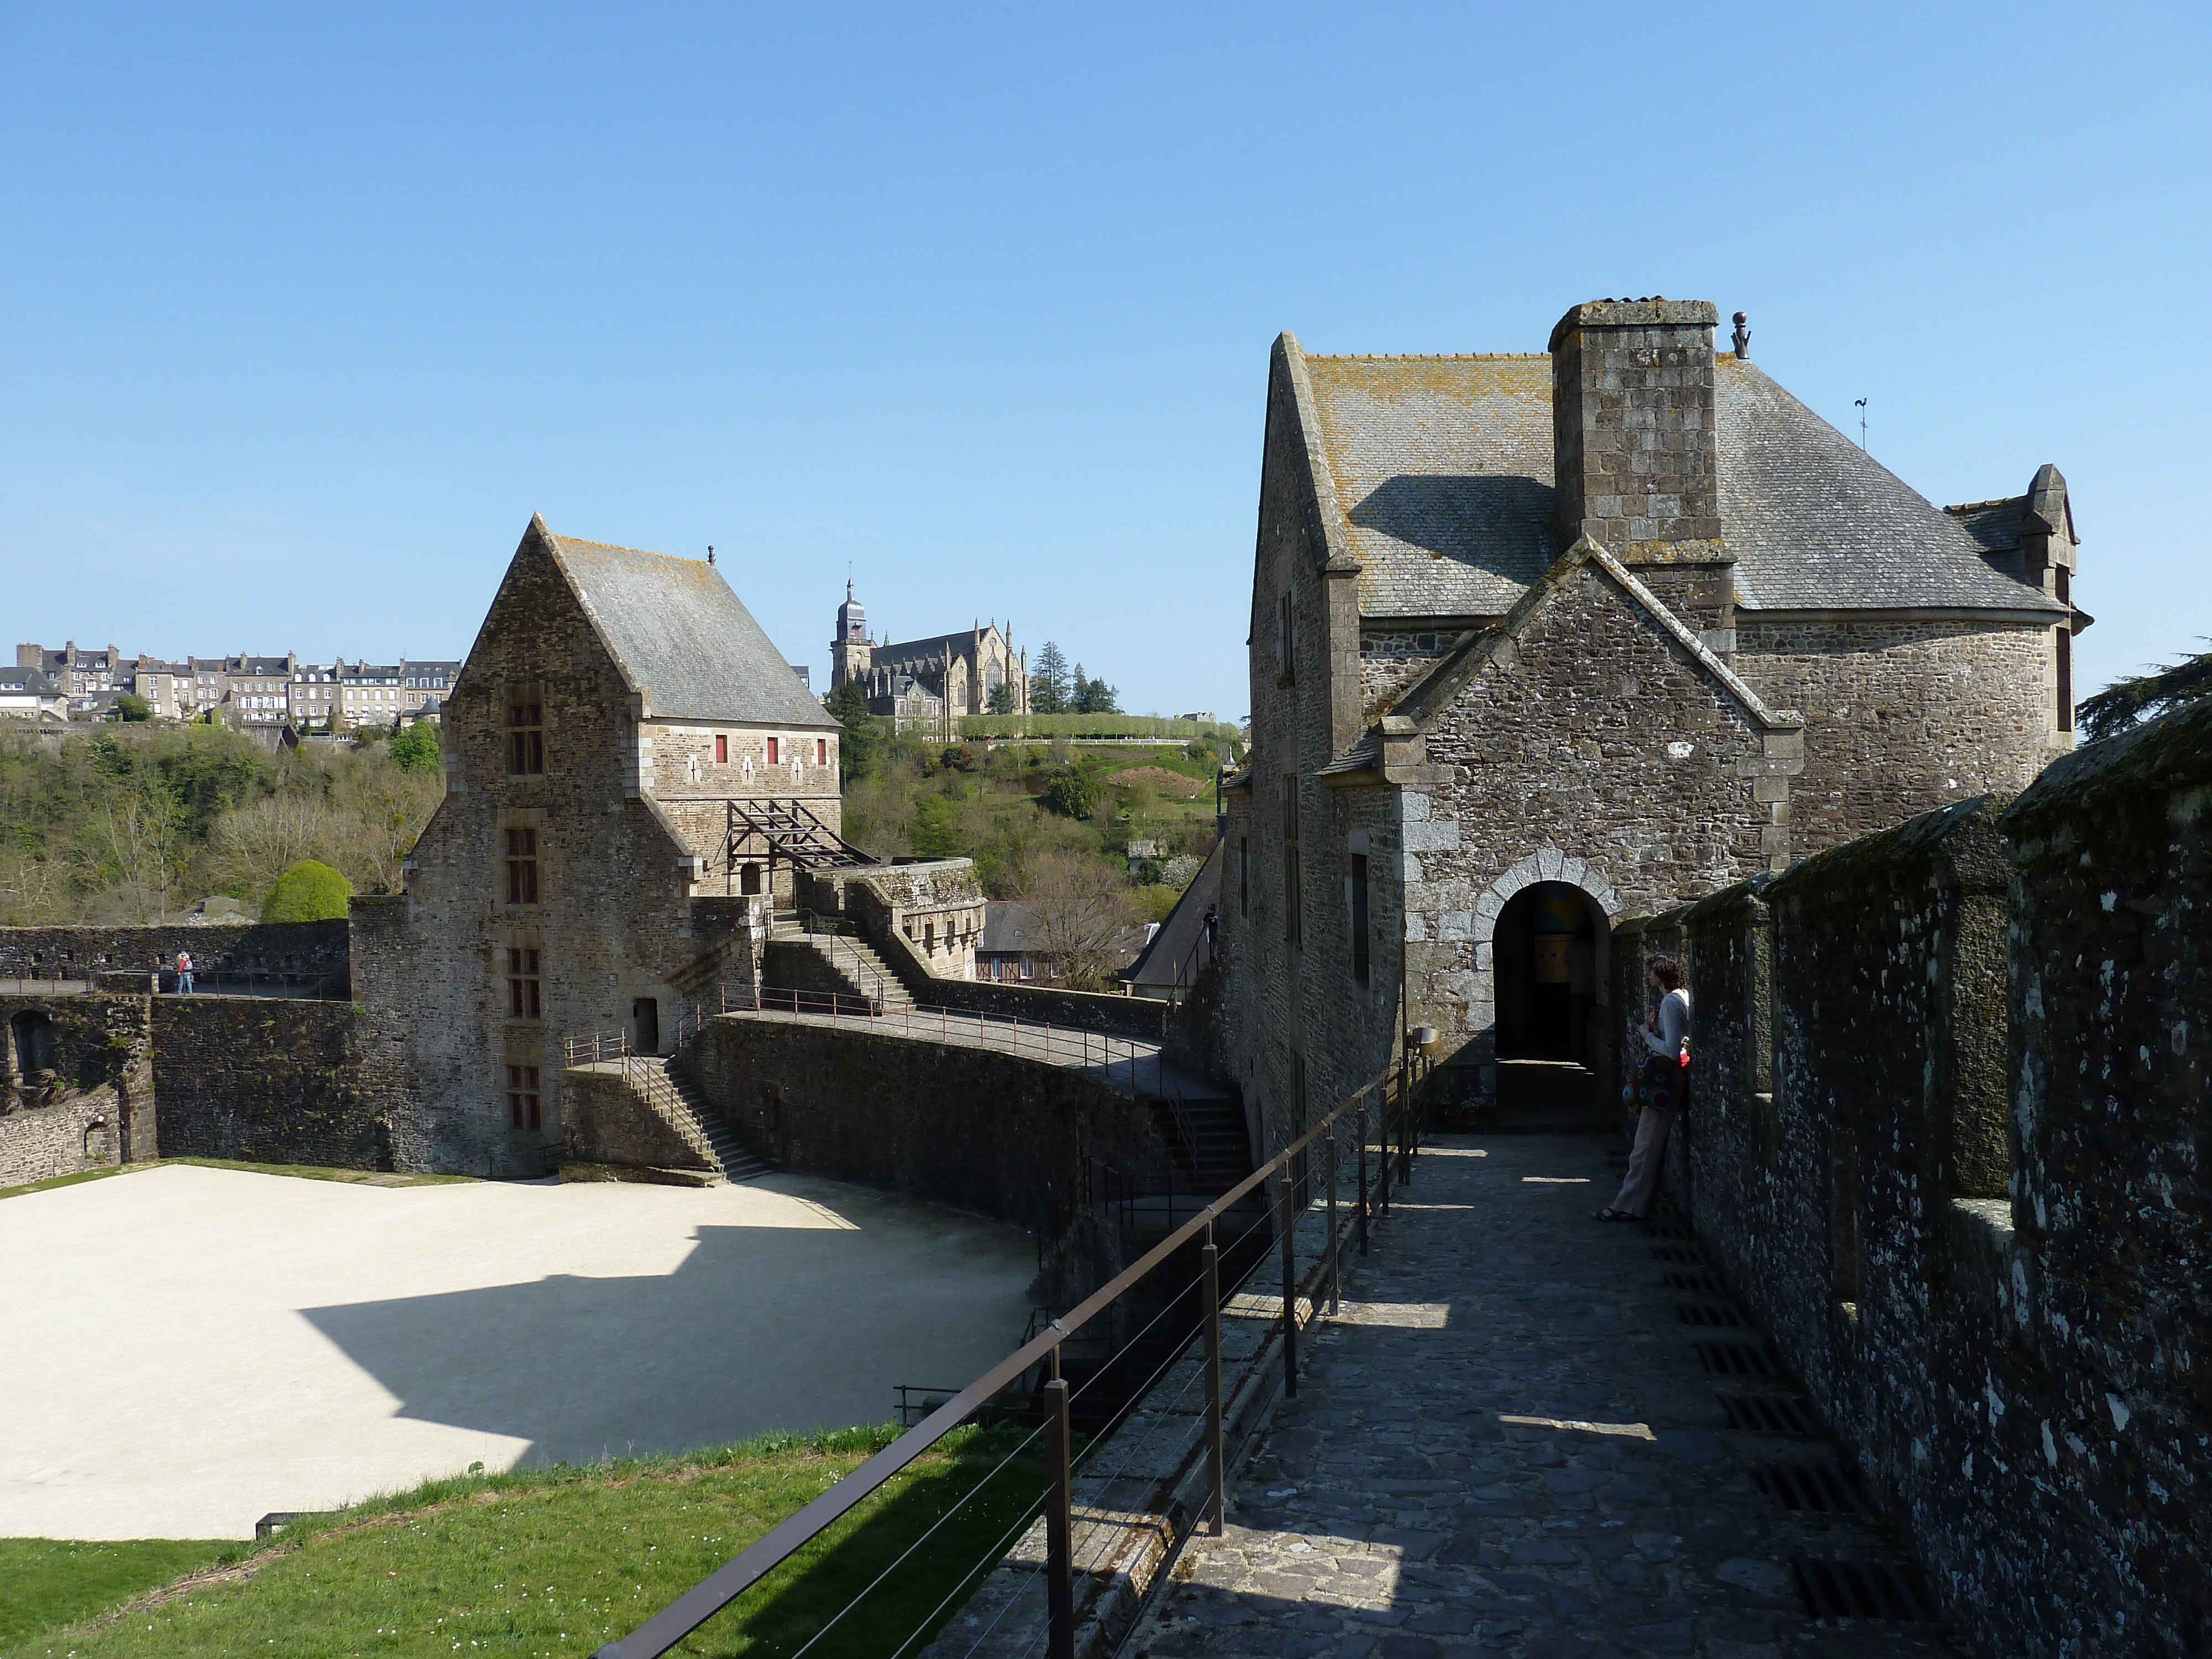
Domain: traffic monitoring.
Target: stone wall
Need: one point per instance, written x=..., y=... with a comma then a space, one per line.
x=77, y=1085
x=969, y=1127
x=1947, y=1108
x=266, y=1080
x=608, y=1124
x=312, y=954
x=1903, y=717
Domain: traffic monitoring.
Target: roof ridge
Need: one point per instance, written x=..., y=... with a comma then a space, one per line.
x=1995, y=500
x=618, y=547
x=1424, y=356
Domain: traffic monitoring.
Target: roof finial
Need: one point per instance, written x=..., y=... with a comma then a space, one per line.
x=1743, y=338
x=710, y=552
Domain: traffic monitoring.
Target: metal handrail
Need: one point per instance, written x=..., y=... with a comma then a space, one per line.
x=665, y=1628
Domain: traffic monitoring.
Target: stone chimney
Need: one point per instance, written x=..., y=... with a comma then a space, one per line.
x=1634, y=453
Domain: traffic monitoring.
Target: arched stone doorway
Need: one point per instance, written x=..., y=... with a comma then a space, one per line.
x=1545, y=928
x=1547, y=952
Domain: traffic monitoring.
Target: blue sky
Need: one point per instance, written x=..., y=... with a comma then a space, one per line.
x=309, y=307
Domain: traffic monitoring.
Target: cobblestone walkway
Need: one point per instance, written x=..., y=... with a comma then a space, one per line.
x=1508, y=1444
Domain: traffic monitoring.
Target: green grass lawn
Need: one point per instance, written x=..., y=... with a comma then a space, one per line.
x=45, y=1581
x=559, y=1560
x=306, y=1172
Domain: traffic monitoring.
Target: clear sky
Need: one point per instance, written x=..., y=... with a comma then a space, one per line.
x=307, y=308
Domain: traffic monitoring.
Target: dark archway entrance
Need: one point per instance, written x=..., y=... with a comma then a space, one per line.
x=1547, y=956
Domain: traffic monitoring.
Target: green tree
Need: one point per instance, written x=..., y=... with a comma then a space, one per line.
x=1003, y=698
x=1050, y=682
x=416, y=749
x=1094, y=696
x=859, y=748
x=133, y=707
x=309, y=891
x=1073, y=794
x=2124, y=703
x=936, y=827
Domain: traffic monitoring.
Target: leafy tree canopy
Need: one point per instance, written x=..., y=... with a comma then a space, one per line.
x=1050, y=684
x=1073, y=794
x=309, y=891
x=2126, y=704
x=416, y=750
x=132, y=707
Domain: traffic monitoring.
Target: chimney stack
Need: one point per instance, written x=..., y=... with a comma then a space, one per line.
x=1635, y=456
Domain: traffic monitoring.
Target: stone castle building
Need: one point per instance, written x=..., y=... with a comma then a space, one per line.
x=625, y=751
x=1536, y=638
x=918, y=681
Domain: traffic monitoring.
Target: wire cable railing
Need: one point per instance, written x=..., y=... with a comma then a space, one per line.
x=1295, y=1191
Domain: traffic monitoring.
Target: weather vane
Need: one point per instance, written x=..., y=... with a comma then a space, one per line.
x=1860, y=405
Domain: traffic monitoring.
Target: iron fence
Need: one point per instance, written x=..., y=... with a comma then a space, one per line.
x=1377, y=1118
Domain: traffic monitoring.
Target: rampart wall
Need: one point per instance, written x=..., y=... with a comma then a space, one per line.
x=1946, y=1134
x=122, y=959
x=971, y=1127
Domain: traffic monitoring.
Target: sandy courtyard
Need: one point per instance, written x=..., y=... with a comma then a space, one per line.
x=184, y=1350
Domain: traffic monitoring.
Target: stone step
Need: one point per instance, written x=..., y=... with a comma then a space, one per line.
x=737, y=1160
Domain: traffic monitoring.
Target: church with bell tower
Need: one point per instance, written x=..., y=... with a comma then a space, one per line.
x=935, y=680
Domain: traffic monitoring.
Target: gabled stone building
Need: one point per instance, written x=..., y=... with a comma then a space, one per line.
x=1537, y=638
x=622, y=745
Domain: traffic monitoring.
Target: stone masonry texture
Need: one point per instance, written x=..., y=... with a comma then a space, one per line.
x=1948, y=1109
x=78, y=1090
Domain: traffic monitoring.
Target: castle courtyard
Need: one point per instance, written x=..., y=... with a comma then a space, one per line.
x=199, y=1347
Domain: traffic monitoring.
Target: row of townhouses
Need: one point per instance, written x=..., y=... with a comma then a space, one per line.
x=76, y=683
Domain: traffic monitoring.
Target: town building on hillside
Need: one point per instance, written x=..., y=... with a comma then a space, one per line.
x=1537, y=639
x=937, y=680
x=78, y=672
x=31, y=694
x=629, y=762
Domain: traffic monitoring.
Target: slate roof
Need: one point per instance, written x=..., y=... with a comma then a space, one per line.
x=683, y=638
x=1171, y=950
x=1816, y=522
x=1443, y=466
x=1006, y=924
x=961, y=644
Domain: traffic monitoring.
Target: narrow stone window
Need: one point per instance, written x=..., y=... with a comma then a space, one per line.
x=1243, y=875
x=2063, y=639
x=526, y=734
x=1293, y=932
x=721, y=750
x=522, y=865
x=822, y=751
x=1286, y=642
x=772, y=752
x=524, y=994
x=1360, y=947
x=523, y=1109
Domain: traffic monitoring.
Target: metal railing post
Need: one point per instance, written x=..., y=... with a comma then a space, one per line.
x=1382, y=1156
x=1216, y=1476
x=1363, y=1178
x=1404, y=1099
x=1059, y=1517
x=1290, y=1289
x=1335, y=1270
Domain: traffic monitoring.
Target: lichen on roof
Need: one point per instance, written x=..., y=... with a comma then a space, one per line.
x=682, y=637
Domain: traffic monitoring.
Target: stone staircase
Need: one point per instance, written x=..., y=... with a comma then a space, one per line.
x=678, y=1101
x=1207, y=1141
x=853, y=960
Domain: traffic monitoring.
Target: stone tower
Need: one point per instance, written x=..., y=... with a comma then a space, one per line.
x=850, y=653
